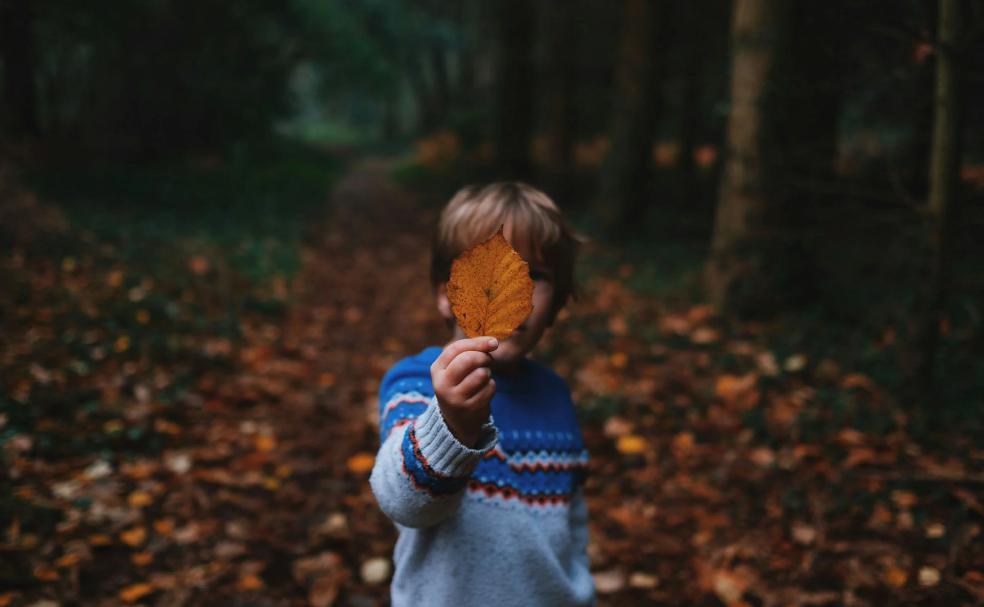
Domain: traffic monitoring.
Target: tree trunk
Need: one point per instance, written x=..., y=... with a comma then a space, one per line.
x=426, y=116
x=515, y=107
x=626, y=188
x=943, y=198
x=442, y=86
x=690, y=117
x=563, y=99
x=742, y=213
x=17, y=51
x=786, y=92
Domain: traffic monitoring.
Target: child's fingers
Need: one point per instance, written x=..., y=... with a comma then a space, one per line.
x=481, y=344
x=483, y=396
x=473, y=382
x=463, y=364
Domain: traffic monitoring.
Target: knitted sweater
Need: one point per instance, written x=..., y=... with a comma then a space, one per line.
x=504, y=523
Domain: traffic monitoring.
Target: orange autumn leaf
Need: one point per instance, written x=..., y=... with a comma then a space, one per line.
x=141, y=559
x=360, y=463
x=67, y=560
x=139, y=498
x=631, y=444
x=265, y=443
x=490, y=289
x=249, y=582
x=896, y=577
x=164, y=526
x=45, y=574
x=135, y=592
x=134, y=537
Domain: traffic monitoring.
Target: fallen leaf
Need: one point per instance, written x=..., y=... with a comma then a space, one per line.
x=249, y=582
x=631, y=444
x=135, y=592
x=490, y=289
x=67, y=560
x=796, y=362
x=608, y=582
x=198, y=265
x=804, y=534
x=705, y=335
x=935, y=530
x=324, y=590
x=164, y=526
x=929, y=576
x=904, y=499
x=326, y=379
x=738, y=391
x=312, y=566
x=360, y=463
x=138, y=499
x=46, y=574
x=616, y=427
x=375, y=570
x=265, y=443
x=683, y=444
x=728, y=586
x=643, y=581
x=134, y=537
x=896, y=577
x=141, y=559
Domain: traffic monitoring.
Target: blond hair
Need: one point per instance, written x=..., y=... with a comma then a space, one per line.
x=531, y=219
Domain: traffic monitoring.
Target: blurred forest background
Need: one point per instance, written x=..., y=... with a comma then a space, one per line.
x=214, y=227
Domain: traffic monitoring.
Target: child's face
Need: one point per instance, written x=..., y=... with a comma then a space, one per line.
x=529, y=332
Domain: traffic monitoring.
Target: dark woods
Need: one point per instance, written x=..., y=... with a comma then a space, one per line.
x=211, y=226
x=791, y=139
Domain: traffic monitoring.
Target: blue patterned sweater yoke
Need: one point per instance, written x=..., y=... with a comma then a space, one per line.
x=511, y=508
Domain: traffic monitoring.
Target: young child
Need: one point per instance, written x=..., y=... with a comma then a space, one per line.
x=482, y=461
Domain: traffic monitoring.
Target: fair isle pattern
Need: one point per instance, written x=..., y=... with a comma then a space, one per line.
x=543, y=460
x=530, y=467
x=537, y=477
x=401, y=408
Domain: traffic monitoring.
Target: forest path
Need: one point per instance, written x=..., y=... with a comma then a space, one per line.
x=304, y=400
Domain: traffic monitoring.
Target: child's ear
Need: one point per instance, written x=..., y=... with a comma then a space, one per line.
x=443, y=303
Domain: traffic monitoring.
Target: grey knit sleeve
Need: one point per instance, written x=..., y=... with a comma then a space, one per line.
x=421, y=469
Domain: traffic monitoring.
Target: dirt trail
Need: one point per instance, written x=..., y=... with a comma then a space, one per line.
x=299, y=412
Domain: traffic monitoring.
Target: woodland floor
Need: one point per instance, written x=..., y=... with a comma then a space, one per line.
x=188, y=467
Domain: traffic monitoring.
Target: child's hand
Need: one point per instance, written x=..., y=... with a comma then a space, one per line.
x=464, y=387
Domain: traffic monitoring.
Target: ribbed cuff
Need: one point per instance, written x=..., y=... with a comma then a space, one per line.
x=444, y=453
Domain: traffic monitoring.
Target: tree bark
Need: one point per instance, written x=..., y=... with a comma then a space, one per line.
x=562, y=100
x=17, y=51
x=442, y=85
x=742, y=212
x=626, y=189
x=782, y=141
x=426, y=115
x=943, y=197
x=515, y=107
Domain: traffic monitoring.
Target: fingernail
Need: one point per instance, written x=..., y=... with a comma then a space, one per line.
x=493, y=343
